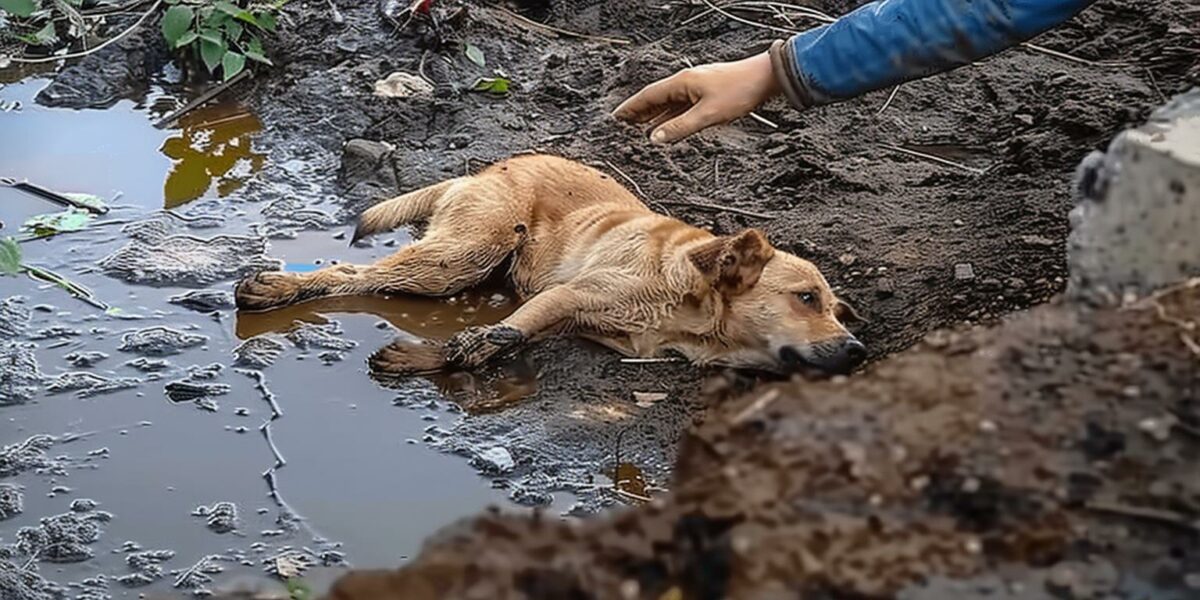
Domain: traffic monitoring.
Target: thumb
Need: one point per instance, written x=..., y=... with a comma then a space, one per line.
x=695, y=119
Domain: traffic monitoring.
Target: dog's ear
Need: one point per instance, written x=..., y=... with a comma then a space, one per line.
x=846, y=313
x=732, y=264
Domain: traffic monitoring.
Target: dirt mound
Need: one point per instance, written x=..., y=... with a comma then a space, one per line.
x=1058, y=449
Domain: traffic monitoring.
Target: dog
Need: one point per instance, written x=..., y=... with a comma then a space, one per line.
x=587, y=258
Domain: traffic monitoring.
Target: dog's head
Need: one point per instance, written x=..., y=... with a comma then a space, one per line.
x=778, y=312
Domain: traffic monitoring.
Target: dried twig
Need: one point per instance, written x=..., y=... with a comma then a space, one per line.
x=550, y=28
x=891, y=96
x=630, y=495
x=1072, y=57
x=722, y=10
x=933, y=158
x=627, y=178
x=652, y=360
x=1165, y=517
x=717, y=208
x=755, y=407
x=200, y=100
x=105, y=44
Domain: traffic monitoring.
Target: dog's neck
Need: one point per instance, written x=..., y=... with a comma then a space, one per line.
x=701, y=311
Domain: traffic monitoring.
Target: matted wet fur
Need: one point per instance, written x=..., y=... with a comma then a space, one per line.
x=587, y=258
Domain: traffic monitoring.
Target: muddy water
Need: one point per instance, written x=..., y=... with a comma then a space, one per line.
x=353, y=469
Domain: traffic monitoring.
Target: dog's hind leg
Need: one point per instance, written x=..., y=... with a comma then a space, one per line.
x=417, y=205
x=430, y=267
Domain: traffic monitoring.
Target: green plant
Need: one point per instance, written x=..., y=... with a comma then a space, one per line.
x=221, y=33
x=34, y=22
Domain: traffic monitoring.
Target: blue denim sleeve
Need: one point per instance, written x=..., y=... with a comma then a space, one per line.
x=892, y=41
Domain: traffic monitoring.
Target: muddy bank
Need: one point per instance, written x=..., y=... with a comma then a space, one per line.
x=1051, y=456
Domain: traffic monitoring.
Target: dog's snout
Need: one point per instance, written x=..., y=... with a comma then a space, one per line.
x=835, y=356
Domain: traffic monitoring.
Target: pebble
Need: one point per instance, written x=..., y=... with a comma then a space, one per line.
x=964, y=272
x=847, y=259
x=495, y=460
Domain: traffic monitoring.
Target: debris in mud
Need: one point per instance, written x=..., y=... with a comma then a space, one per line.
x=62, y=538
x=146, y=566
x=159, y=341
x=221, y=517
x=205, y=372
x=258, y=352
x=494, y=461
x=86, y=384
x=55, y=332
x=203, y=300
x=10, y=501
x=403, y=85
x=158, y=254
x=20, y=376
x=119, y=71
x=14, y=317
x=26, y=584
x=199, y=393
x=85, y=360
x=148, y=365
x=28, y=455
x=200, y=573
x=306, y=336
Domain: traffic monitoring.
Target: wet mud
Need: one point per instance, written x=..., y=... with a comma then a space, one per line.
x=272, y=175
x=1052, y=456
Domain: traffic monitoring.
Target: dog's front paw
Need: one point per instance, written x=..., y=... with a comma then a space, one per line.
x=267, y=290
x=476, y=345
x=407, y=358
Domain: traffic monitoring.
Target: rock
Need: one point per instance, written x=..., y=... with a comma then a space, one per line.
x=11, y=501
x=368, y=161
x=86, y=384
x=648, y=399
x=258, y=352
x=1133, y=230
x=85, y=360
x=81, y=505
x=221, y=517
x=20, y=377
x=203, y=300
x=847, y=259
x=496, y=460
x=159, y=341
x=964, y=272
x=162, y=251
x=403, y=85
x=188, y=391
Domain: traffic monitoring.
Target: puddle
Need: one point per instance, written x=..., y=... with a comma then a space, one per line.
x=350, y=463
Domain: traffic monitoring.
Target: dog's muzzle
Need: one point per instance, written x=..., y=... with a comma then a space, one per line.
x=836, y=356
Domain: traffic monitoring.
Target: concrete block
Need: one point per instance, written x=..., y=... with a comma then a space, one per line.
x=1137, y=225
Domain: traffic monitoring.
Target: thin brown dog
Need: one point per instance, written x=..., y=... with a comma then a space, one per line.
x=587, y=258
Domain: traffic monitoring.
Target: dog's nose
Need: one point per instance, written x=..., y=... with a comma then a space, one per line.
x=839, y=356
x=853, y=353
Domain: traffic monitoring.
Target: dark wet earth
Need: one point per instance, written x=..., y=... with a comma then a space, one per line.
x=167, y=421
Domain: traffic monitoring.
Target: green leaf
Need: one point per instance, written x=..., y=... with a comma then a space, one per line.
x=227, y=7
x=91, y=200
x=491, y=85
x=212, y=35
x=187, y=38
x=475, y=55
x=175, y=23
x=20, y=8
x=211, y=53
x=46, y=35
x=233, y=29
x=10, y=257
x=258, y=57
x=266, y=21
x=246, y=16
x=60, y=222
x=232, y=64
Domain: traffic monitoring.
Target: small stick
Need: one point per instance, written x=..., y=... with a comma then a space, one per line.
x=1165, y=517
x=1154, y=83
x=631, y=495
x=733, y=17
x=891, y=97
x=717, y=208
x=105, y=44
x=934, y=158
x=652, y=360
x=552, y=29
x=52, y=195
x=1065, y=56
x=209, y=94
x=192, y=569
x=627, y=178
x=755, y=407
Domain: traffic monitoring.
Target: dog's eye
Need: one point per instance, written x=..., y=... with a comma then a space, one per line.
x=808, y=298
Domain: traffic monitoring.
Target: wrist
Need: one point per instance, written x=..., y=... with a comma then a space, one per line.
x=787, y=76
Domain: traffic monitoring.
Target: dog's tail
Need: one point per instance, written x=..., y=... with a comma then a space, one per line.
x=389, y=214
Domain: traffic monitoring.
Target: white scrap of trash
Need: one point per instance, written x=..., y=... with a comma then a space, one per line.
x=402, y=85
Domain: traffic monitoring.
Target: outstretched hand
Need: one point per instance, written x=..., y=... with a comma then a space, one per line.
x=700, y=97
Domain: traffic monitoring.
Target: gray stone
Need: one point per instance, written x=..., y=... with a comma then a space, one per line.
x=1134, y=229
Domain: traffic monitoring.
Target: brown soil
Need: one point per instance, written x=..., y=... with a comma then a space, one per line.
x=1056, y=452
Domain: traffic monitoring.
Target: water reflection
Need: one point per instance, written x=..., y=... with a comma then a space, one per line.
x=212, y=148
x=483, y=391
